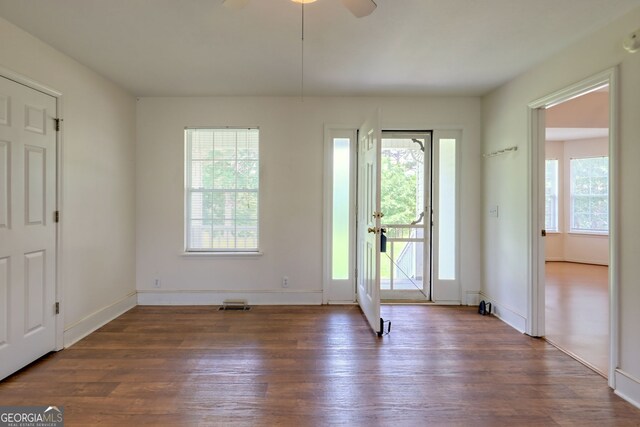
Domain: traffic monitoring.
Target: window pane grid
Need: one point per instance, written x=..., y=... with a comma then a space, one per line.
x=589, y=194
x=222, y=189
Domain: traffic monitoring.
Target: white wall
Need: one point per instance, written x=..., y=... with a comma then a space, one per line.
x=291, y=193
x=98, y=219
x=565, y=245
x=505, y=247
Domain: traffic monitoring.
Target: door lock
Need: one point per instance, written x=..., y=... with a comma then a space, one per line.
x=376, y=230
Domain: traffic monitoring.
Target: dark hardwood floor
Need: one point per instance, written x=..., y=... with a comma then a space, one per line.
x=308, y=366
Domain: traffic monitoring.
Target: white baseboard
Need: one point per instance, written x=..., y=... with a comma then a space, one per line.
x=147, y=297
x=472, y=298
x=346, y=302
x=80, y=329
x=628, y=387
x=506, y=314
x=586, y=261
x=577, y=261
x=447, y=302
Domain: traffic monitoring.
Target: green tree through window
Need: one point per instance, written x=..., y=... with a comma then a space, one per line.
x=590, y=194
x=399, y=183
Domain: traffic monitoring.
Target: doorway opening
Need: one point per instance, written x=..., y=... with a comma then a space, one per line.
x=577, y=227
x=574, y=234
x=404, y=248
x=405, y=193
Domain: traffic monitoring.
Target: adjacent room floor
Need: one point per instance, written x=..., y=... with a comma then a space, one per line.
x=577, y=311
x=315, y=366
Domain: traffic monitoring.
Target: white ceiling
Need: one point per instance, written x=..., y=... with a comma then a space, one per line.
x=571, y=134
x=406, y=47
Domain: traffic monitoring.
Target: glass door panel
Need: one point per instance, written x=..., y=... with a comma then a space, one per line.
x=405, y=199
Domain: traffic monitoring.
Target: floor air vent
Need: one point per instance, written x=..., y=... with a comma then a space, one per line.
x=234, y=305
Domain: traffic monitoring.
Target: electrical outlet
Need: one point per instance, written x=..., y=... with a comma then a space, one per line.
x=285, y=282
x=156, y=284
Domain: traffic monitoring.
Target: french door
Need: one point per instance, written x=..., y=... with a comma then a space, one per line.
x=425, y=247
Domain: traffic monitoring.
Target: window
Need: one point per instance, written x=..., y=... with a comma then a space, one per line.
x=222, y=181
x=447, y=205
x=590, y=194
x=551, y=195
x=341, y=209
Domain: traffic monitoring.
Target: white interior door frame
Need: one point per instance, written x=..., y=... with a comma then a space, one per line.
x=536, y=300
x=23, y=80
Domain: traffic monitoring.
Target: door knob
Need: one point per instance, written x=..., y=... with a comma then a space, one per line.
x=372, y=230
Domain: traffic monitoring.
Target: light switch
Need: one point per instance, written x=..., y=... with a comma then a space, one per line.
x=493, y=211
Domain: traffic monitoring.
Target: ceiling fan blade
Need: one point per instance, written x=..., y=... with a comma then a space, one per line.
x=235, y=4
x=360, y=8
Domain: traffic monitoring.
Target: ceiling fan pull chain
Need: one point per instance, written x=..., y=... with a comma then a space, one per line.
x=302, y=59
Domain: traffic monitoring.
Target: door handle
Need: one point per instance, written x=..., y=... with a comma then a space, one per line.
x=376, y=230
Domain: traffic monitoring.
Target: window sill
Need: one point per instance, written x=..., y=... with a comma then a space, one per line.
x=588, y=234
x=222, y=254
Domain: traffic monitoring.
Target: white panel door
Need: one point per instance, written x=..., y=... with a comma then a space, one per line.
x=27, y=228
x=368, y=289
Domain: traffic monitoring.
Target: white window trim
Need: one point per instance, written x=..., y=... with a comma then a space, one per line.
x=338, y=291
x=235, y=252
x=446, y=291
x=557, y=228
x=209, y=254
x=589, y=233
x=582, y=231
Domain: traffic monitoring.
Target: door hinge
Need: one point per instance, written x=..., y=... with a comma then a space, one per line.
x=56, y=216
x=57, y=308
x=57, y=124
